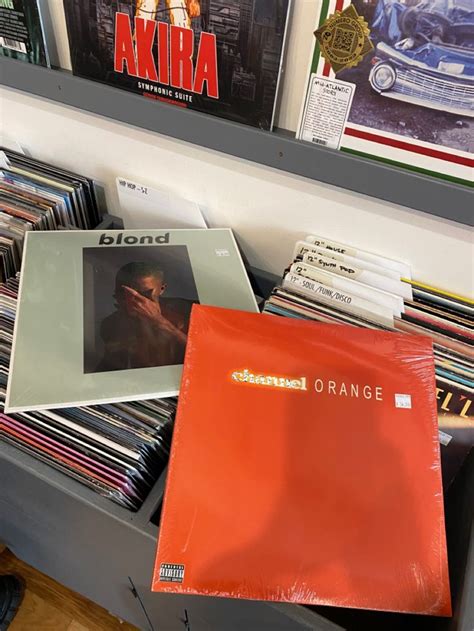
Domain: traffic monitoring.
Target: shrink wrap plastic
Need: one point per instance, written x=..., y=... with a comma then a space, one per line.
x=305, y=467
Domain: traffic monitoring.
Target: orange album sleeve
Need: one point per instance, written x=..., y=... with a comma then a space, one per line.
x=305, y=467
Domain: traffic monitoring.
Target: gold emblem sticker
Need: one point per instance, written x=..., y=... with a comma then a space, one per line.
x=344, y=39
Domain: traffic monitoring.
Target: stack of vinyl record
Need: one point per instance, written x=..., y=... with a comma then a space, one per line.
x=337, y=283
x=38, y=196
x=118, y=450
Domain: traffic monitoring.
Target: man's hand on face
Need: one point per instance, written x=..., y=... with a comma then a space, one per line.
x=142, y=307
x=139, y=306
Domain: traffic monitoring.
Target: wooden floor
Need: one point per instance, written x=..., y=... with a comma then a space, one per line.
x=48, y=606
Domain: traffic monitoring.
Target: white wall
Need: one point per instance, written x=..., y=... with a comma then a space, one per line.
x=267, y=209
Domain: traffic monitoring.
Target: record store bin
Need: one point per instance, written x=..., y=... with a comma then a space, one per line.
x=95, y=548
x=101, y=549
x=106, y=553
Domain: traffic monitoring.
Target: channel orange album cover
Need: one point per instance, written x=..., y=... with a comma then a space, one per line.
x=305, y=467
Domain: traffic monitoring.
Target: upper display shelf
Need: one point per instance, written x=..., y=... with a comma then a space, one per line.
x=274, y=149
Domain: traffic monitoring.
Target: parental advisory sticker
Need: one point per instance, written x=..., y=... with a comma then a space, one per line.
x=403, y=401
x=327, y=106
x=171, y=573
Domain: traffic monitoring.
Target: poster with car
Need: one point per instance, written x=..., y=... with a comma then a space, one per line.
x=394, y=80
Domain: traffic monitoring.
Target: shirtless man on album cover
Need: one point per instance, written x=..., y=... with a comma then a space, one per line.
x=146, y=330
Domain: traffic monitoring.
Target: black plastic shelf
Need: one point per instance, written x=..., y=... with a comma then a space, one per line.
x=278, y=150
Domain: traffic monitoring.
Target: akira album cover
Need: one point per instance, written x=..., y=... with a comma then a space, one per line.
x=305, y=467
x=26, y=31
x=104, y=316
x=394, y=80
x=222, y=57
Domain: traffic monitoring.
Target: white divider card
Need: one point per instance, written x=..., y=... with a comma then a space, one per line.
x=4, y=162
x=365, y=276
x=327, y=106
x=391, y=301
x=327, y=244
x=303, y=247
x=348, y=302
x=143, y=205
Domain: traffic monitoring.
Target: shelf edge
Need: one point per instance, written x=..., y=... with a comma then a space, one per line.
x=276, y=150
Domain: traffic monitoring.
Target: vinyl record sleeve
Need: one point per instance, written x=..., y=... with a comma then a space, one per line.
x=411, y=99
x=222, y=57
x=89, y=329
x=26, y=32
x=456, y=420
x=305, y=467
